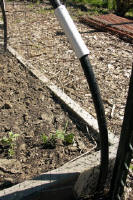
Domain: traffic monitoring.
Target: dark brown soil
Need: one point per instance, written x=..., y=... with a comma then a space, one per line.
x=29, y=109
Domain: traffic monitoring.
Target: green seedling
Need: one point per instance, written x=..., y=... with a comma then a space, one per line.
x=44, y=139
x=66, y=138
x=11, y=151
x=60, y=135
x=48, y=142
x=10, y=142
x=69, y=138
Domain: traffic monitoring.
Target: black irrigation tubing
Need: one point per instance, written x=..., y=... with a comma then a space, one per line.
x=2, y=4
x=125, y=149
x=90, y=76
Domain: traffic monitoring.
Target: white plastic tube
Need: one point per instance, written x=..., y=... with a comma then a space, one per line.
x=71, y=31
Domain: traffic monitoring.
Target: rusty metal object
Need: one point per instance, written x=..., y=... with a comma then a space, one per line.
x=114, y=24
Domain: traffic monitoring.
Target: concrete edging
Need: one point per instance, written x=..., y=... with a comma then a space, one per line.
x=81, y=174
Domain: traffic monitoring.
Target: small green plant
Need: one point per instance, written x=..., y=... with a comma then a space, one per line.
x=59, y=134
x=67, y=138
x=48, y=142
x=10, y=142
x=44, y=139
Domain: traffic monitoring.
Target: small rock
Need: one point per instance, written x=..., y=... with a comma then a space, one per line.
x=37, y=122
x=127, y=74
x=73, y=149
x=61, y=155
x=31, y=133
x=81, y=145
x=51, y=155
x=10, y=166
x=22, y=147
x=43, y=116
x=74, y=144
x=121, y=117
x=95, y=37
x=46, y=116
x=69, y=51
x=110, y=67
x=23, y=159
x=59, y=142
x=42, y=97
x=66, y=151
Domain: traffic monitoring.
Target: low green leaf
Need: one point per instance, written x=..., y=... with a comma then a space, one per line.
x=60, y=134
x=11, y=152
x=44, y=139
x=12, y=136
x=5, y=141
x=69, y=138
x=10, y=142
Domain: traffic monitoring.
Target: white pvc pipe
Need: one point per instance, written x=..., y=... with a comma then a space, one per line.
x=71, y=31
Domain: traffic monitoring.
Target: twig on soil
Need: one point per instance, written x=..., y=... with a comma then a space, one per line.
x=88, y=152
x=112, y=112
x=82, y=155
x=67, y=83
x=55, y=74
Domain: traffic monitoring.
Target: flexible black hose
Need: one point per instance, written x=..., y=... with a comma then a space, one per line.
x=88, y=71
x=100, y=114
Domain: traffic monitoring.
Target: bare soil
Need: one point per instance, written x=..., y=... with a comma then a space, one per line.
x=29, y=109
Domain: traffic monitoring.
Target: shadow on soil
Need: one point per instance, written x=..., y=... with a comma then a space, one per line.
x=56, y=188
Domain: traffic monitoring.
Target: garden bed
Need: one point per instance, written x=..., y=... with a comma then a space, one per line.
x=34, y=32
x=29, y=109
